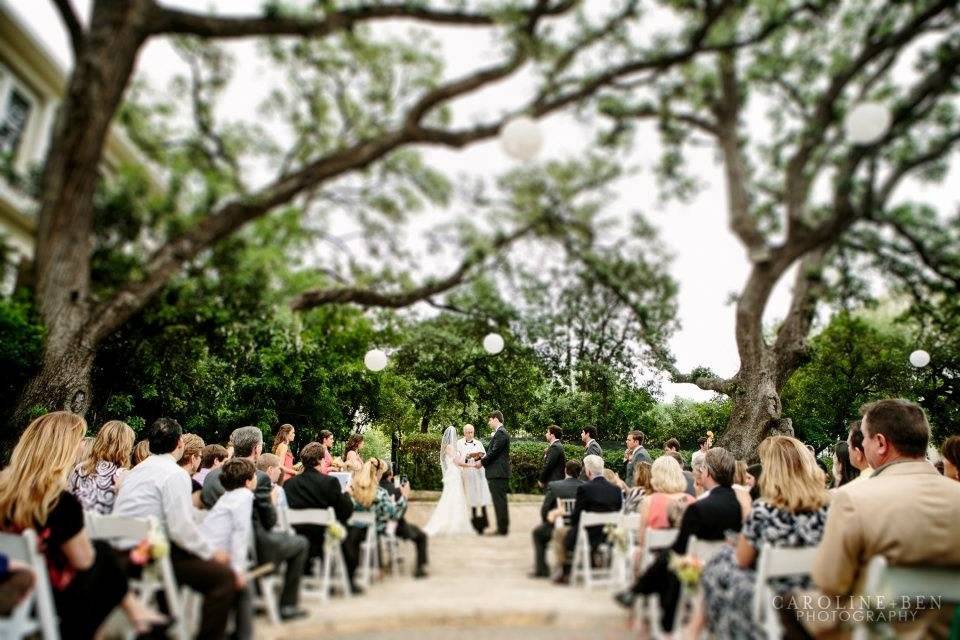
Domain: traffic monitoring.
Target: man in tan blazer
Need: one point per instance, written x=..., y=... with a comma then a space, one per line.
x=906, y=512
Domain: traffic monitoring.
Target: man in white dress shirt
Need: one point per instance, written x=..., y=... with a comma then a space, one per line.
x=475, y=486
x=158, y=487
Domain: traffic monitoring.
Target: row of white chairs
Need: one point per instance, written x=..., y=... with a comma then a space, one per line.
x=37, y=614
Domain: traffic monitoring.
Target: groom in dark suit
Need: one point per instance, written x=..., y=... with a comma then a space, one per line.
x=497, y=465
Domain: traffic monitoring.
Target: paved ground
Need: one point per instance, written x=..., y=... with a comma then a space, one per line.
x=478, y=589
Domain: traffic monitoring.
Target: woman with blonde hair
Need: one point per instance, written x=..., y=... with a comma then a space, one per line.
x=791, y=512
x=281, y=448
x=368, y=495
x=96, y=479
x=85, y=577
x=669, y=486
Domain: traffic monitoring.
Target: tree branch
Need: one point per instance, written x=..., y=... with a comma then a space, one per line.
x=798, y=179
x=370, y=298
x=72, y=22
x=175, y=21
x=791, y=342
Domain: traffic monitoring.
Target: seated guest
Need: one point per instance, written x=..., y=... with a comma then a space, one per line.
x=709, y=518
x=612, y=477
x=549, y=512
x=754, y=472
x=595, y=495
x=16, y=583
x=633, y=499
x=190, y=462
x=669, y=486
x=882, y=516
x=691, y=482
x=858, y=457
x=271, y=465
x=278, y=547
x=85, y=577
x=227, y=528
x=314, y=490
x=94, y=481
x=352, y=462
x=405, y=530
x=369, y=496
x=158, y=488
x=703, y=445
x=326, y=439
x=740, y=474
x=951, y=457
x=843, y=470
x=141, y=451
x=791, y=512
x=212, y=457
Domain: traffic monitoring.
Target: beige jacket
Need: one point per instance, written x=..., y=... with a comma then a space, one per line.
x=909, y=514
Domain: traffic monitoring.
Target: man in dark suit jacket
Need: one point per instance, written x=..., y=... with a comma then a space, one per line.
x=272, y=546
x=566, y=488
x=588, y=435
x=595, y=495
x=554, y=459
x=314, y=490
x=497, y=465
x=708, y=519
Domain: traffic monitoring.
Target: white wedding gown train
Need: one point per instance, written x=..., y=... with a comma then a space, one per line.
x=450, y=517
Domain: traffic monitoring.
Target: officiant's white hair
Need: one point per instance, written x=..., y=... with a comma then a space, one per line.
x=593, y=465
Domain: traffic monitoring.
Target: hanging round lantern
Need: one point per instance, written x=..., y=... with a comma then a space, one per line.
x=521, y=138
x=867, y=122
x=919, y=358
x=375, y=360
x=493, y=343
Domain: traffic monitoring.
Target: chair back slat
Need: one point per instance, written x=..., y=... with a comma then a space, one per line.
x=596, y=518
x=657, y=539
x=24, y=548
x=363, y=518
x=893, y=581
x=779, y=562
x=566, y=505
x=107, y=527
x=704, y=549
x=322, y=517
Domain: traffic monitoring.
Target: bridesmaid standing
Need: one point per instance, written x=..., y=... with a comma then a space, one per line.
x=281, y=448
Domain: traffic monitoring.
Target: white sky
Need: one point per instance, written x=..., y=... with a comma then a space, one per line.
x=708, y=263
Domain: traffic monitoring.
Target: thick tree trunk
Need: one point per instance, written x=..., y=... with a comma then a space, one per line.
x=756, y=413
x=63, y=383
x=65, y=219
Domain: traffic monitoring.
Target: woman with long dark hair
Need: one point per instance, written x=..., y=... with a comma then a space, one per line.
x=281, y=448
x=352, y=461
x=843, y=469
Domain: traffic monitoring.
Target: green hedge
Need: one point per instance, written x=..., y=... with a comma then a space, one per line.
x=419, y=460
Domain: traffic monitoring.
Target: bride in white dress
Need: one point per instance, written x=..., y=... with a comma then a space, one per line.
x=451, y=516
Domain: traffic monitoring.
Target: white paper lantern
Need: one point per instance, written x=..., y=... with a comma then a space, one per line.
x=919, y=358
x=521, y=138
x=867, y=122
x=375, y=360
x=493, y=343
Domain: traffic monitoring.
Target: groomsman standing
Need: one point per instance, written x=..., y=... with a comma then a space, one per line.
x=635, y=453
x=554, y=458
x=588, y=435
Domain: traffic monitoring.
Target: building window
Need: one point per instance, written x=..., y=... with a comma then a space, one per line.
x=13, y=122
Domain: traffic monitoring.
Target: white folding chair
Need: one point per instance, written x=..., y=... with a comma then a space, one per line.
x=391, y=546
x=37, y=612
x=112, y=529
x=582, y=562
x=369, y=549
x=703, y=549
x=654, y=541
x=267, y=586
x=331, y=572
x=940, y=584
x=776, y=562
x=623, y=562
